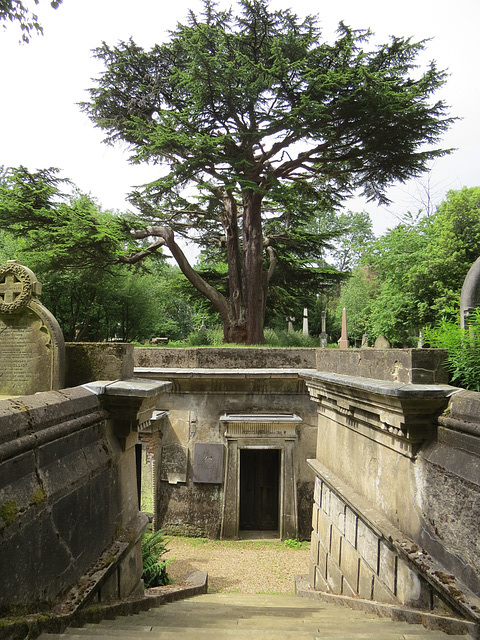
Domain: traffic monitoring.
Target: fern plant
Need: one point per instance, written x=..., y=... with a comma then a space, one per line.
x=154, y=569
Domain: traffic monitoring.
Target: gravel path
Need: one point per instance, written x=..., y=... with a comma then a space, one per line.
x=242, y=566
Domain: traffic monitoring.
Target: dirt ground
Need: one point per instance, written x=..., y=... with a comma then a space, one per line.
x=243, y=566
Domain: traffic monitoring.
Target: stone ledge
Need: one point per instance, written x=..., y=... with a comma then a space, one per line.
x=446, y=624
x=383, y=387
x=222, y=373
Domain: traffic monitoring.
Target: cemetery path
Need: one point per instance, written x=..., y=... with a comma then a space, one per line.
x=240, y=566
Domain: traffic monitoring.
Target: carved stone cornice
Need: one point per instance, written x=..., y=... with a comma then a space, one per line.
x=399, y=416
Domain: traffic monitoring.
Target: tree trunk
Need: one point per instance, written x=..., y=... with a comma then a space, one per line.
x=252, y=276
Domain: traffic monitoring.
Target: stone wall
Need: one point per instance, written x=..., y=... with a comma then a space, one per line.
x=70, y=525
x=396, y=506
x=418, y=366
x=199, y=398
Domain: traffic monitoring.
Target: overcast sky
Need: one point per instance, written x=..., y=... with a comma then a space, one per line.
x=42, y=82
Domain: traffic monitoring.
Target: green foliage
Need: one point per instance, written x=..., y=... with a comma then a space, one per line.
x=154, y=569
x=294, y=543
x=416, y=271
x=263, y=128
x=17, y=11
x=289, y=339
x=463, y=346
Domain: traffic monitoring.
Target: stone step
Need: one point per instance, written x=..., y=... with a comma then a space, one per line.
x=228, y=616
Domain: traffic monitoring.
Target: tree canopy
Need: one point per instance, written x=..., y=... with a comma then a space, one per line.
x=249, y=112
x=18, y=12
x=412, y=276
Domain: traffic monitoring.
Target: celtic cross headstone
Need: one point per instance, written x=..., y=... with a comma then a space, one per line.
x=32, y=349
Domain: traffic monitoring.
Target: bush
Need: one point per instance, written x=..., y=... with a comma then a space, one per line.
x=154, y=569
x=463, y=346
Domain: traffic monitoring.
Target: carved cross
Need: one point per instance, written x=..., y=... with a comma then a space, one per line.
x=10, y=288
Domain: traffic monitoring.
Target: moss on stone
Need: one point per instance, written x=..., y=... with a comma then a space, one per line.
x=39, y=496
x=9, y=511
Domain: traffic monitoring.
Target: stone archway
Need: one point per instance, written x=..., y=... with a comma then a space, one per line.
x=261, y=432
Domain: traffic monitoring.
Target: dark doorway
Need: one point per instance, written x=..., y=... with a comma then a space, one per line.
x=259, y=480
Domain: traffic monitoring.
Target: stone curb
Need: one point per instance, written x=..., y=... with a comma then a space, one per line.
x=447, y=624
x=31, y=627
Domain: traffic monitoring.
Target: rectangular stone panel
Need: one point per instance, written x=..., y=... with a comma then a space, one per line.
x=388, y=566
x=334, y=575
x=349, y=563
x=336, y=543
x=412, y=591
x=325, y=499
x=315, y=517
x=208, y=463
x=367, y=545
x=324, y=529
x=317, y=493
x=351, y=520
x=174, y=463
x=381, y=593
x=365, y=580
x=337, y=512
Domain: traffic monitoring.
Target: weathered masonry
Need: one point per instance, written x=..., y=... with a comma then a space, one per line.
x=395, y=469
x=233, y=443
x=70, y=524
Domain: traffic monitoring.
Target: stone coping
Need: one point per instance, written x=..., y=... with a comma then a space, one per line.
x=371, y=385
x=136, y=387
x=192, y=372
x=382, y=387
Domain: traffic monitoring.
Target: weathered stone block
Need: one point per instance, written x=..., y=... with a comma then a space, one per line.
x=388, y=566
x=325, y=499
x=351, y=519
x=324, y=529
x=315, y=517
x=336, y=543
x=365, y=580
x=367, y=545
x=412, y=591
x=320, y=583
x=350, y=563
x=334, y=575
x=317, y=495
x=381, y=593
x=90, y=361
x=337, y=512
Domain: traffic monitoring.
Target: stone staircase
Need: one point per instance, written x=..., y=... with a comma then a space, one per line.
x=257, y=617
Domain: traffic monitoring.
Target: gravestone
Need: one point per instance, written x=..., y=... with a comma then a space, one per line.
x=382, y=343
x=324, y=335
x=32, y=348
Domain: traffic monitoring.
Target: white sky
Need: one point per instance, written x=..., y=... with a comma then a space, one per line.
x=42, y=82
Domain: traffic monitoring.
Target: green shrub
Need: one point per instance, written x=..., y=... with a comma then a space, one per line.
x=154, y=569
x=463, y=346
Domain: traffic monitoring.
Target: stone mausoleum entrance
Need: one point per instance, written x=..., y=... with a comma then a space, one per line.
x=260, y=492
x=259, y=489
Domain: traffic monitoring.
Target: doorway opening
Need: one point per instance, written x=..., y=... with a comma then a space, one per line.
x=259, y=489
